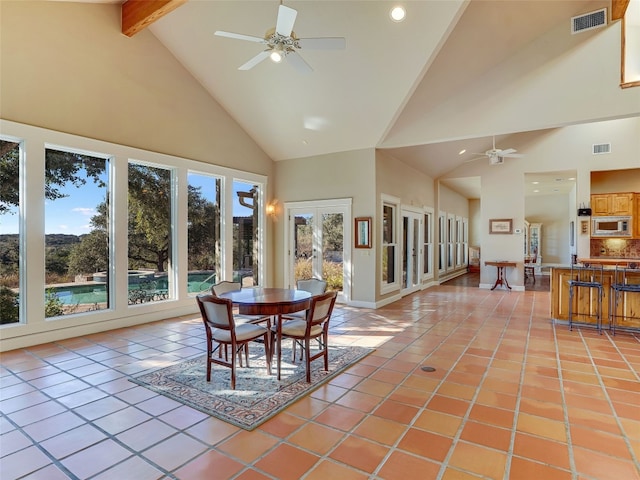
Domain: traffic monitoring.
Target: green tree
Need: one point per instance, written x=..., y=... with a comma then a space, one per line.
x=149, y=217
x=9, y=306
x=204, y=232
x=91, y=254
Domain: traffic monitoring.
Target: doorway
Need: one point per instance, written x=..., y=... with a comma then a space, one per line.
x=318, y=236
x=412, y=251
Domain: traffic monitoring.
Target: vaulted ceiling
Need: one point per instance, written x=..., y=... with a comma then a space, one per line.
x=379, y=90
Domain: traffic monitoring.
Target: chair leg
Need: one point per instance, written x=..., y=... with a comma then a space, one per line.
x=325, y=340
x=209, y=355
x=233, y=368
x=307, y=345
x=570, y=308
x=267, y=352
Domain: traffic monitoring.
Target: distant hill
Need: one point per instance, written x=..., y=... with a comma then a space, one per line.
x=51, y=240
x=60, y=239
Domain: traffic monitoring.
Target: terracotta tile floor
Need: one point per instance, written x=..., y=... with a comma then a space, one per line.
x=512, y=397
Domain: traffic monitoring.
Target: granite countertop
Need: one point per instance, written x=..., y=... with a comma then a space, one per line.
x=609, y=260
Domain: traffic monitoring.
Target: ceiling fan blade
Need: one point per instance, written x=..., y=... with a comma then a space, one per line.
x=255, y=60
x=286, y=19
x=507, y=151
x=239, y=36
x=477, y=158
x=298, y=63
x=327, y=43
x=512, y=155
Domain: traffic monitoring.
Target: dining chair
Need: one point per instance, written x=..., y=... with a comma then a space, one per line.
x=314, y=326
x=221, y=327
x=228, y=286
x=314, y=286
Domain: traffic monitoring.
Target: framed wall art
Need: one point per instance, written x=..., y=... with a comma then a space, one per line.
x=363, y=232
x=501, y=225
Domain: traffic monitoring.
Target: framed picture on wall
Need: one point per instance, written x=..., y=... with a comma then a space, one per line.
x=500, y=225
x=363, y=232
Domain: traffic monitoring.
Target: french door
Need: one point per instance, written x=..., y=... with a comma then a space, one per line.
x=318, y=237
x=412, y=250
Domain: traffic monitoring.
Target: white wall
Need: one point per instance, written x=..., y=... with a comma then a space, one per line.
x=67, y=67
x=552, y=211
x=339, y=175
x=568, y=148
x=412, y=187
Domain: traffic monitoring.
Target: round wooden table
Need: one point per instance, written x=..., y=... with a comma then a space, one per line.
x=270, y=301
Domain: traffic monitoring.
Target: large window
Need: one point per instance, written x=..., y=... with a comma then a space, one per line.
x=94, y=232
x=76, y=232
x=427, y=245
x=9, y=232
x=203, y=232
x=442, y=242
x=390, y=250
x=631, y=45
x=246, y=254
x=150, y=277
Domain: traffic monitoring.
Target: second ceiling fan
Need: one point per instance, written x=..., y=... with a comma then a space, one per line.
x=282, y=42
x=495, y=155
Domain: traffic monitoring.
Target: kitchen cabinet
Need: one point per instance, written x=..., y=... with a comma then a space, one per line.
x=636, y=230
x=608, y=204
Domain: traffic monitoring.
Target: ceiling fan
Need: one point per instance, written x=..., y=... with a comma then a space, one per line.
x=282, y=42
x=496, y=156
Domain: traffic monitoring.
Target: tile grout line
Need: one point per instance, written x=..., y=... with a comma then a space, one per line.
x=565, y=410
x=615, y=415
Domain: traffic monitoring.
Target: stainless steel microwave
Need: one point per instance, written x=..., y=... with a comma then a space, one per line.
x=611, y=227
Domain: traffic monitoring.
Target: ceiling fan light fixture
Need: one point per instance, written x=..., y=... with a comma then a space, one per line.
x=398, y=13
x=276, y=55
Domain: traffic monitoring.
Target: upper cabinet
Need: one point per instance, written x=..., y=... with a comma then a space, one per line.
x=607, y=204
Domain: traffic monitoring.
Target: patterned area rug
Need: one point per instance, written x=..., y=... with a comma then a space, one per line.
x=257, y=396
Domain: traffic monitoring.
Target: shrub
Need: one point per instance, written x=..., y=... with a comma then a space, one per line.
x=332, y=273
x=9, y=306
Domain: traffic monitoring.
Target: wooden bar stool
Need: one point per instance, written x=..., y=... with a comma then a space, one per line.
x=585, y=279
x=626, y=281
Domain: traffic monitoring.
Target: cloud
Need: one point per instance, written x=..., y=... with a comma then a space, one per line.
x=84, y=211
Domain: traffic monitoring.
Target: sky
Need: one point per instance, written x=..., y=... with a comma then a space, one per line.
x=72, y=214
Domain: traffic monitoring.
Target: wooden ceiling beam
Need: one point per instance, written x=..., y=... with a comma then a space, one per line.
x=139, y=14
x=618, y=9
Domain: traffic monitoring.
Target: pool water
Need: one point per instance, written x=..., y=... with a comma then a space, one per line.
x=97, y=293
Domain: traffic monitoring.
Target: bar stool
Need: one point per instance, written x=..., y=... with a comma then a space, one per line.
x=625, y=281
x=586, y=277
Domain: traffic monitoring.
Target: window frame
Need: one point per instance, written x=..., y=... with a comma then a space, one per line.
x=393, y=203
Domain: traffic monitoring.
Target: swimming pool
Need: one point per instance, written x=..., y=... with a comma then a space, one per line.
x=96, y=292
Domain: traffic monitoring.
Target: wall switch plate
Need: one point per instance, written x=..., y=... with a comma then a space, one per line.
x=517, y=231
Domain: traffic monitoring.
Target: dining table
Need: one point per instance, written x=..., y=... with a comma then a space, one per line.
x=270, y=301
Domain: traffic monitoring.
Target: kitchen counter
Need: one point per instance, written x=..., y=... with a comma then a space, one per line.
x=623, y=262
x=585, y=300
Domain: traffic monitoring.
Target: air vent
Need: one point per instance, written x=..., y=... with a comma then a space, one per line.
x=600, y=148
x=589, y=21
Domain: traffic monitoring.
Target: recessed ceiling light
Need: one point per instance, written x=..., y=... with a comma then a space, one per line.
x=304, y=142
x=462, y=151
x=571, y=178
x=397, y=13
x=536, y=191
x=535, y=183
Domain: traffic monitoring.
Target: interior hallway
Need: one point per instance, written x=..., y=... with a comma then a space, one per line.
x=512, y=397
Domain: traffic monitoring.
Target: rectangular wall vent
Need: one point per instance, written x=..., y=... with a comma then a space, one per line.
x=600, y=148
x=589, y=21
